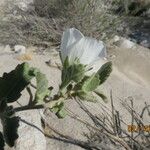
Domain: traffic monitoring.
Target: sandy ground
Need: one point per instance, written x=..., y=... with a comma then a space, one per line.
x=130, y=78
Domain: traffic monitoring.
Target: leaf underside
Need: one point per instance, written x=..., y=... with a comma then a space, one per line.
x=12, y=83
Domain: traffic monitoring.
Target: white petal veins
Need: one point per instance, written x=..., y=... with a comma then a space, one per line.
x=87, y=50
x=70, y=37
x=103, y=53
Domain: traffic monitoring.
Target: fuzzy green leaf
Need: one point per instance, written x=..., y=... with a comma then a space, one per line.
x=12, y=83
x=90, y=83
x=42, y=87
x=104, y=72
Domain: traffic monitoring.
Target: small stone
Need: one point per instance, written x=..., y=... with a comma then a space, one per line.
x=145, y=43
x=23, y=6
x=49, y=62
x=15, y=12
x=127, y=44
x=116, y=38
x=112, y=56
x=20, y=49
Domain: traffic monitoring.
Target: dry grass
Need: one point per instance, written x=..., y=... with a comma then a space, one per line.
x=44, y=25
x=131, y=7
x=28, y=30
x=92, y=17
x=109, y=129
x=112, y=122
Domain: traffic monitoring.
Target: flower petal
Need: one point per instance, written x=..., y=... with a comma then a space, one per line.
x=70, y=36
x=87, y=50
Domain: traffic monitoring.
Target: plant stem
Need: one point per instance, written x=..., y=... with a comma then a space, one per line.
x=24, y=108
x=39, y=106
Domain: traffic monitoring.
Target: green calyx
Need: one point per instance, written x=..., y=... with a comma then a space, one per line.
x=71, y=73
x=59, y=109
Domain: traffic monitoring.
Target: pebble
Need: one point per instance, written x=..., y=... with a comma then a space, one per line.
x=116, y=38
x=20, y=49
x=127, y=44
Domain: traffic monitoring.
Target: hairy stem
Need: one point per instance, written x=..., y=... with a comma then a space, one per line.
x=24, y=108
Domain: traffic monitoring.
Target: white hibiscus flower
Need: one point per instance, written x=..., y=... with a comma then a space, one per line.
x=75, y=45
x=84, y=62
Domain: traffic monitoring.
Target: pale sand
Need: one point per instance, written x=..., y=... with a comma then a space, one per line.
x=130, y=78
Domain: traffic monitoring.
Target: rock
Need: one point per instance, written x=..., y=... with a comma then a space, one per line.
x=145, y=43
x=140, y=32
x=22, y=54
x=20, y=49
x=116, y=38
x=127, y=44
x=112, y=56
x=123, y=42
x=15, y=12
x=30, y=138
x=23, y=6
